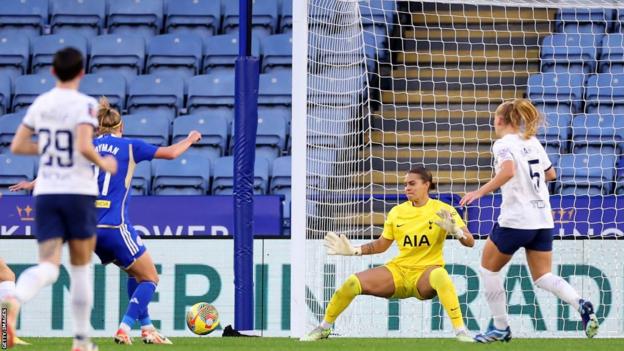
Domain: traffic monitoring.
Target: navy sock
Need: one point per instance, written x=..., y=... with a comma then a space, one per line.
x=138, y=302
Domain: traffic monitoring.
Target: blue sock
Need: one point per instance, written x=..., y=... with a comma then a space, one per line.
x=139, y=301
x=131, y=286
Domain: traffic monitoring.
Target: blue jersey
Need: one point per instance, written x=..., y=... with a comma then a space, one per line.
x=113, y=199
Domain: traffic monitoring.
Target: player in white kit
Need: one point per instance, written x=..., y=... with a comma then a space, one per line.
x=65, y=192
x=522, y=169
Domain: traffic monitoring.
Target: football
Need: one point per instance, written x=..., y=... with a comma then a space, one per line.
x=202, y=318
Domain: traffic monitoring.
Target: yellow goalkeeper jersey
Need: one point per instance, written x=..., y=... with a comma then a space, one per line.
x=419, y=239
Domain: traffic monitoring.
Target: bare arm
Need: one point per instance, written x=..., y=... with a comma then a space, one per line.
x=506, y=172
x=468, y=240
x=550, y=174
x=379, y=245
x=173, y=151
x=84, y=144
x=22, y=143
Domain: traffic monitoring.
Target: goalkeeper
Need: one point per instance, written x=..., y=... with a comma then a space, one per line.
x=419, y=227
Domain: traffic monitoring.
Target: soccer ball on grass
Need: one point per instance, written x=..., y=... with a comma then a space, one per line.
x=202, y=318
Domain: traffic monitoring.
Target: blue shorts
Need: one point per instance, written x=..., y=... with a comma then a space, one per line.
x=66, y=216
x=121, y=245
x=509, y=240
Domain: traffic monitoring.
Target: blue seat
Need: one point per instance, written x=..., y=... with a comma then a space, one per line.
x=23, y=17
x=221, y=51
x=139, y=17
x=156, y=92
x=111, y=85
x=8, y=126
x=276, y=52
x=562, y=92
x=123, y=54
x=574, y=53
x=6, y=88
x=584, y=20
x=151, y=128
x=337, y=85
x=213, y=128
x=223, y=177
x=270, y=136
x=211, y=92
x=84, y=17
x=377, y=20
x=264, y=17
x=141, y=183
x=186, y=175
x=28, y=87
x=14, y=54
x=175, y=53
x=14, y=169
x=44, y=48
x=281, y=174
x=555, y=132
x=275, y=89
x=200, y=17
x=586, y=174
x=286, y=19
x=611, y=58
x=605, y=94
x=600, y=133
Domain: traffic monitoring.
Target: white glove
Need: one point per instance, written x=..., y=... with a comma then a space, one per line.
x=448, y=224
x=340, y=245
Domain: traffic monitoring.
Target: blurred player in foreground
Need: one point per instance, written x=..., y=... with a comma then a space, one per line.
x=419, y=227
x=522, y=169
x=65, y=193
x=7, y=288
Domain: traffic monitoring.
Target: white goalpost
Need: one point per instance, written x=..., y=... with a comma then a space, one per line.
x=382, y=86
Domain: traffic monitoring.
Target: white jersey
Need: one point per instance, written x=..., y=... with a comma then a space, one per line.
x=526, y=201
x=54, y=116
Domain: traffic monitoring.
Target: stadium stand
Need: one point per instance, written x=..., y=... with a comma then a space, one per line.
x=179, y=54
x=213, y=127
x=223, y=178
x=28, y=87
x=199, y=17
x=14, y=169
x=187, y=175
x=143, y=17
x=152, y=128
x=142, y=179
x=14, y=54
x=123, y=54
x=84, y=17
x=44, y=47
x=211, y=92
x=156, y=93
x=8, y=126
x=23, y=17
x=5, y=92
x=111, y=85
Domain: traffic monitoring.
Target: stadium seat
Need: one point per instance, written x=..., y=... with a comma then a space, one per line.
x=14, y=54
x=209, y=92
x=221, y=51
x=281, y=182
x=123, y=54
x=8, y=126
x=594, y=133
x=139, y=17
x=111, y=85
x=286, y=17
x=270, y=136
x=321, y=47
x=28, y=87
x=162, y=93
x=151, y=128
x=611, y=59
x=584, y=20
x=213, y=128
x=561, y=92
x=264, y=17
x=223, y=178
x=142, y=179
x=186, y=175
x=44, y=48
x=84, y=17
x=555, y=132
x=605, y=94
x=276, y=53
x=336, y=90
x=6, y=88
x=14, y=169
x=377, y=19
x=574, y=53
x=23, y=17
x=275, y=90
x=200, y=17
x=586, y=174
x=179, y=54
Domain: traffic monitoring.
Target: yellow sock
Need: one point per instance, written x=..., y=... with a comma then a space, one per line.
x=443, y=285
x=342, y=298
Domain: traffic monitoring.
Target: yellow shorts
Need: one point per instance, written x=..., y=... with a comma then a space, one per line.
x=405, y=280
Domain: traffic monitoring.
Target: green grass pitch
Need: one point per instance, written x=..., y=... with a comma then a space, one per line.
x=340, y=344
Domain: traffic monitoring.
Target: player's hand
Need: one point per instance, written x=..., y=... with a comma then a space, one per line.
x=340, y=245
x=23, y=185
x=109, y=164
x=194, y=136
x=469, y=198
x=447, y=222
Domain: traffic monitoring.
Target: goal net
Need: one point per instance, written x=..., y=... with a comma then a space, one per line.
x=394, y=84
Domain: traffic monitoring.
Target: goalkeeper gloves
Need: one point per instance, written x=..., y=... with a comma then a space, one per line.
x=447, y=223
x=340, y=245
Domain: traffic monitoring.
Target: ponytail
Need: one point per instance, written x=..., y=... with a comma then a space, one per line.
x=109, y=119
x=521, y=114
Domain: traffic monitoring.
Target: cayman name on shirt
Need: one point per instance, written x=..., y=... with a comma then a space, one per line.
x=111, y=149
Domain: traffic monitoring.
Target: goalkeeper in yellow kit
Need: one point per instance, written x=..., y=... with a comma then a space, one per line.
x=419, y=227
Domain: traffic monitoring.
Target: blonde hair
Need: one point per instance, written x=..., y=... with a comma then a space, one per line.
x=109, y=119
x=521, y=114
